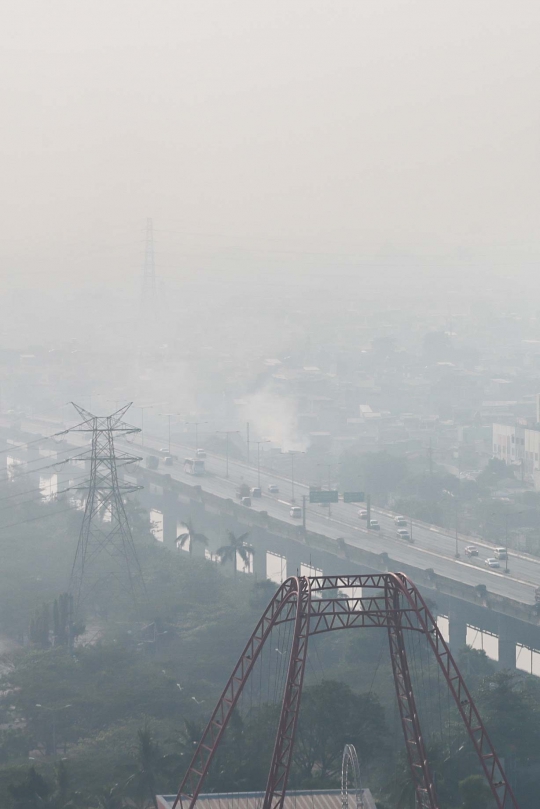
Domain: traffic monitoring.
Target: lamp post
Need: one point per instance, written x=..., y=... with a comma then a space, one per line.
x=169, y=416
x=196, y=425
x=329, y=468
x=227, y=433
x=266, y=441
x=292, y=453
x=142, y=408
x=506, y=515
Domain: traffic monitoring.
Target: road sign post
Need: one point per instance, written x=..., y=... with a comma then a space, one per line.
x=318, y=496
x=353, y=497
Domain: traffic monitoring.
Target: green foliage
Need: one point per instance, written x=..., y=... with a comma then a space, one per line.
x=237, y=547
x=475, y=793
x=332, y=716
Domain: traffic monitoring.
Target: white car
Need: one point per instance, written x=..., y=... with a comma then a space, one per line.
x=362, y=514
x=273, y=488
x=400, y=521
x=374, y=525
x=402, y=533
x=492, y=562
x=296, y=512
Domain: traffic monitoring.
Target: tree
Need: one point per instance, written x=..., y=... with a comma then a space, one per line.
x=31, y=792
x=192, y=536
x=143, y=783
x=474, y=792
x=110, y=798
x=511, y=715
x=333, y=715
x=237, y=547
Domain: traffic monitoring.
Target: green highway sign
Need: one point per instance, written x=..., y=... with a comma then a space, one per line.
x=353, y=497
x=317, y=496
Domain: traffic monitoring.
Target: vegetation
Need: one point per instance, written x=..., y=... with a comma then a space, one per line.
x=113, y=721
x=476, y=505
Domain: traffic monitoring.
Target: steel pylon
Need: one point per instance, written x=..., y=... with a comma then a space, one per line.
x=105, y=526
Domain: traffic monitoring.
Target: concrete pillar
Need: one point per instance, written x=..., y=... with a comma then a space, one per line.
x=259, y=562
x=457, y=628
x=169, y=528
x=507, y=643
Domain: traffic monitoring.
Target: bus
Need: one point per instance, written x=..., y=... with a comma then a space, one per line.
x=194, y=466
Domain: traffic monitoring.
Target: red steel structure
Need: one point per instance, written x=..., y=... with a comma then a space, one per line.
x=396, y=605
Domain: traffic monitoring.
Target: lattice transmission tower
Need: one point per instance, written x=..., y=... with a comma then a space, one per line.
x=105, y=526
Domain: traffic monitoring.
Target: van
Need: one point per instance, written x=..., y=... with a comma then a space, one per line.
x=374, y=525
x=296, y=512
x=400, y=521
x=500, y=553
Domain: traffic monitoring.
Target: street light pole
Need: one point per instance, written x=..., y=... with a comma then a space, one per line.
x=196, y=425
x=506, y=545
x=227, y=433
x=266, y=441
x=329, y=467
x=169, y=416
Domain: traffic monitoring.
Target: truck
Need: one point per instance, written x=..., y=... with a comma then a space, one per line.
x=243, y=491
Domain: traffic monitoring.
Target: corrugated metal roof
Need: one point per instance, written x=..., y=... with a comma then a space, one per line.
x=295, y=799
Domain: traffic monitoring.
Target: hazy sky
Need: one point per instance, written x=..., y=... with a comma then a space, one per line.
x=266, y=132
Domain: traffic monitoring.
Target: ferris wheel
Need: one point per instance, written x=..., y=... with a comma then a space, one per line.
x=350, y=780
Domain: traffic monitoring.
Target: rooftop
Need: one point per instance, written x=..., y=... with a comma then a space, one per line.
x=300, y=799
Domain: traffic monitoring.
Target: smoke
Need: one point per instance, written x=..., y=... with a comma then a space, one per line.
x=275, y=418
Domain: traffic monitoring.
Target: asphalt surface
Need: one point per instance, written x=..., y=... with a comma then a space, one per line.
x=431, y=548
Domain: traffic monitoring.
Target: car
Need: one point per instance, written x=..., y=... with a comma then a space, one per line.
x=362, y=514
x=164, y=451
x=401, y=521
x=402, y=533
x=246, y=501
x=471, y=550
x=200, y=453
x=273, y=488
x=256, y=492
x=168, y=460
x=374, y=525
x=296, y=512
x=490, y=562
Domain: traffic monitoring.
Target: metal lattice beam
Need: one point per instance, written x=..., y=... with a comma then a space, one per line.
x=105, y=526
x=414, y=743
x=395, y=605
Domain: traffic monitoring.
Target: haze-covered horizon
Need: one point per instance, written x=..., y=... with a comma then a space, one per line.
x=306, y=139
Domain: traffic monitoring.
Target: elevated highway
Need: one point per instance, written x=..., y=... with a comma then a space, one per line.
x=472, y=600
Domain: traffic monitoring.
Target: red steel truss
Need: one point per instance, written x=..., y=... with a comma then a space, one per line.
x=322, y=604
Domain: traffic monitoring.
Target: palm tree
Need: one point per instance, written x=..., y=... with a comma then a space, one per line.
x=192, y=536
x=148, y=762
x=237, y=547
